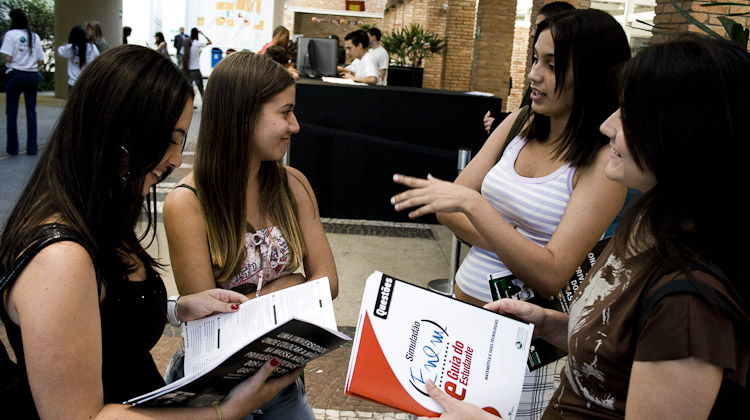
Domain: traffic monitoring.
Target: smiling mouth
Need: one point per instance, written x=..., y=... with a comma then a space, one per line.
x=614, y=152
x=537, y=93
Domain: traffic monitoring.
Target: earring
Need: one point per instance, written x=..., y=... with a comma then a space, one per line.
x=126, y=177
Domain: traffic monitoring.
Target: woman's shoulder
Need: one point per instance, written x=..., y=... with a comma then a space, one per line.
x=183, y=196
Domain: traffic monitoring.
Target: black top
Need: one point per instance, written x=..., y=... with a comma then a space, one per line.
x=133, y=316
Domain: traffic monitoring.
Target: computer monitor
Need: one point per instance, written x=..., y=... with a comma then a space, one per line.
x=316, y=57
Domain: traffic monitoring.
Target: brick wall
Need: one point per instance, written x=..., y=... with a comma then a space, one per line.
x=493, y=47
x=668, y=17
x=518, y=65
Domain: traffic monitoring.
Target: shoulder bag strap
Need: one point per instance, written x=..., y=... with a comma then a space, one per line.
x=515, y=129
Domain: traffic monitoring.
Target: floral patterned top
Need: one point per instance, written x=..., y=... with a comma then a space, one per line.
x=267, y=257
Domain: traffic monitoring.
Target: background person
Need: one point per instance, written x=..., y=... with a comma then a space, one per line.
x=357, y=48
x=380, y=53
x=79, y=52
x=126, y=31
x=161, y=44
x=83, y=315
x=280, y=39
x=179, y=39
x=22, y=51
x=688, y=357
x=241, y=220
x=191, y=54
x=281, y=56
x=538, y=211
x=95, y=35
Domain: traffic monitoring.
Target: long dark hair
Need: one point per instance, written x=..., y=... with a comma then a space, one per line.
x=596, y=45
x=20, y=21
x=77, y=37
x=159, y=38
x=115, y=128
x=696, y=149
x=238, y=88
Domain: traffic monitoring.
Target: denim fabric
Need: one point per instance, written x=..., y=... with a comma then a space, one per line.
x=289, y=404
x=16, y=83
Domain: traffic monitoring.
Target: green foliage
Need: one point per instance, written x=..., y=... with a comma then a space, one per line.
x=735, y=31
x=412, y=44
x=41, y=14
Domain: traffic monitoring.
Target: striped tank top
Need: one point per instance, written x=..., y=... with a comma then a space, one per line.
x=533, y=206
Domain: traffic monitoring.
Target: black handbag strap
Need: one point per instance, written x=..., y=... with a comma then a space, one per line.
x=515, y=129
x=647, y=302
x=48, y=235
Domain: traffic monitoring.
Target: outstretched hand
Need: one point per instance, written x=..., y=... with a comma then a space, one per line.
x=455, y=409
x=431, y=195
x=208, y=302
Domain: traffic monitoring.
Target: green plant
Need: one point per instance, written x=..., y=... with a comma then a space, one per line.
x=41, y=14
x=735, y=31
x=410, y=45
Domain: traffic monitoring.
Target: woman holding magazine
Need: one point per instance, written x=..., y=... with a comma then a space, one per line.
x=83, y=312
x=536, y=211
x=660, y=329
x=241, y=220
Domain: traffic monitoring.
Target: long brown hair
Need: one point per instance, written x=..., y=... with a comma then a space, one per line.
x=130, y=98
x=238, y=88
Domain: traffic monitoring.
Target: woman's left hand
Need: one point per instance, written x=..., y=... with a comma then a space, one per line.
x=432, y=195
x=208, y=302
x=455, y=409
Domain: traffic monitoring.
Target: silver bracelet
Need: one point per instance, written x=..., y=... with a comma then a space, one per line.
x=172, y=316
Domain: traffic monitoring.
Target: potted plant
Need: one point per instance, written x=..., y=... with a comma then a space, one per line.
x=408, y=48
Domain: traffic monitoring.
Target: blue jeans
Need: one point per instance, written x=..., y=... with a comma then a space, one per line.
x=17, y=82
x=289, y=404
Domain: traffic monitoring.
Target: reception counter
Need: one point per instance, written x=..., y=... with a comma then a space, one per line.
x=354, y=138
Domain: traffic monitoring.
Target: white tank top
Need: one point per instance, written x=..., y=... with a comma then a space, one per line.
x=533, y=206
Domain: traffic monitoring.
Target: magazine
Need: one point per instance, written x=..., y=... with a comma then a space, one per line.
x=509, y=286
x=407, y=334
x=296, y=325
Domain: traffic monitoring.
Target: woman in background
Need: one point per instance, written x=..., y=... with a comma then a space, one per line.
x=83, y=315
x=22, y=51
x=536, y=211
x=161, y=44
x=95, y=35
x=241, y=220
x=79, y=53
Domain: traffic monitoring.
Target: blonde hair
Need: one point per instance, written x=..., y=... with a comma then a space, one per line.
x=238, y=88
x=95, y=26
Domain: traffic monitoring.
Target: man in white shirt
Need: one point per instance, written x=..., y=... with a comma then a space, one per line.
x=356, y=44
x=380, y=53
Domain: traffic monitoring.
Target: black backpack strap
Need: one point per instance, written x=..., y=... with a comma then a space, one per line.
x=647, y=302
x=48, y=235
x=515, y=129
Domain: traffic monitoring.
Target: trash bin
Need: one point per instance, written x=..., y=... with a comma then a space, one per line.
x=215, y=56
x=230, y=51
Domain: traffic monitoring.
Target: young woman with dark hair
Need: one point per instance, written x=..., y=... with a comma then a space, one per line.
x=686, y=354
x=85, y=312
x=79, y=53
x=161, y=44
x=536, y=211
x=242, y=220
x=191, y=52
x=22, y=51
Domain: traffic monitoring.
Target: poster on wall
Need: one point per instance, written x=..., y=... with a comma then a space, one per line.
x=238, y=24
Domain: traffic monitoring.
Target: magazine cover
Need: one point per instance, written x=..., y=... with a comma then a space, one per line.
x=407, y=334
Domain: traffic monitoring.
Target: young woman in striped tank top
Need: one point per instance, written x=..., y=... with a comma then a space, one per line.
x=539, y=210
x=244, y=221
